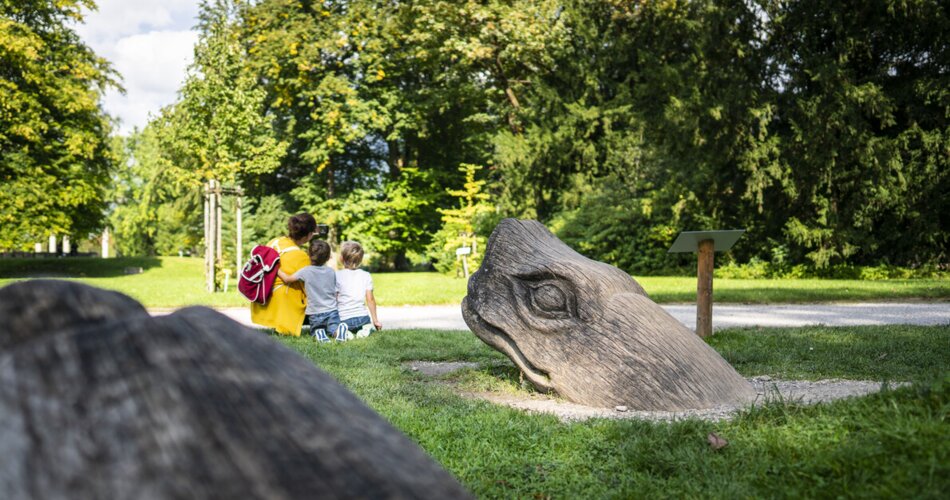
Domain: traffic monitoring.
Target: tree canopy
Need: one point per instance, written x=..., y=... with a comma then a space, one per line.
x=55, y=156
x=819, y=127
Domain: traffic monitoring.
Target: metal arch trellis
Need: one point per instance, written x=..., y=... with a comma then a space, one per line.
x=213, y=190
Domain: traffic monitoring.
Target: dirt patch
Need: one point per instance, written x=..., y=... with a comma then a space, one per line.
x=769, y=389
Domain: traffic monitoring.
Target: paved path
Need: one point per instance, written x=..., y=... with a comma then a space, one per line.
x=724, y=316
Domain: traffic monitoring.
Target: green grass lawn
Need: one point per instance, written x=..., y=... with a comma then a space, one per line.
x=178, y=281
x=892, y=444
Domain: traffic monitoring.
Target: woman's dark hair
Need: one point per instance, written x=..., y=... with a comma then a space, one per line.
x=319, y=252
x=300, y=226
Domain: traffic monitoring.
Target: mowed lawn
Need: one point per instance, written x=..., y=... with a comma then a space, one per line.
x=895, y=444
x=168, y=282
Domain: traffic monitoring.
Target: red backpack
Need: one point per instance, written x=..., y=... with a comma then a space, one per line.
x=257, y=278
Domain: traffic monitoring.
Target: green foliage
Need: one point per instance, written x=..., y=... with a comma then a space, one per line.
x=614, y=223
x=459, y=226
x=218, y=129
x=698, y=92
x=376, y=124
x=55, y=158
x=864, y=128
x=179, y=225
x=388, y=222
x=820, y=129
x=154, y=213
x=264, y=220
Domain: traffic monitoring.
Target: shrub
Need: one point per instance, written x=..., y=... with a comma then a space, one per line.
x=613, y=225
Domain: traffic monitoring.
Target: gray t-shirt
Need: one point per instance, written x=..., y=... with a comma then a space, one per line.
x=320, y=285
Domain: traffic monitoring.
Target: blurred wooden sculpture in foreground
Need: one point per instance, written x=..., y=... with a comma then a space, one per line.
x=100, y=400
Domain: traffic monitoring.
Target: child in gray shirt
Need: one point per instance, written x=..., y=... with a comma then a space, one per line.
x=320, y=286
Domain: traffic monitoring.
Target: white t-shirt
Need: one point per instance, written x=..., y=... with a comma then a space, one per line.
x=351, y=286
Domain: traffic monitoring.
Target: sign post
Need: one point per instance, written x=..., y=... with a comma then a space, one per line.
x=705, y=243
x=463, y=252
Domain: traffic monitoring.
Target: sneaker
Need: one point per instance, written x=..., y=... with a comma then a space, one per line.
x=343, y=333
x=321, y=335
x=366, y=331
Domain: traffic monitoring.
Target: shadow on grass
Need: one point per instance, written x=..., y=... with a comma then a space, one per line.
x=73, y=267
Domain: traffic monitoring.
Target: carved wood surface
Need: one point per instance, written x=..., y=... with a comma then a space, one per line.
x=587, y=330
x=99, y=400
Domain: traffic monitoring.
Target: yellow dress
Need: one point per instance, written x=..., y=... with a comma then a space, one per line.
x=284, y=311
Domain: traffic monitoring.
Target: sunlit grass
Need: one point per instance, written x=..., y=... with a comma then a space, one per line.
x=665, y=289
x=179, y=281
x=892, y=444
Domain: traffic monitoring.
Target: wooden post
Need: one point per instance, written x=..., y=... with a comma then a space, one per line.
x=704, y=288
x=705, y=243
x=207, y=240
x=237, y=250
x=218, y=246
x=52, y=243
x=209, y=237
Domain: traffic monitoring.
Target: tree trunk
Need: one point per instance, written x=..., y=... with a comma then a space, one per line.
x=397, y=160
x=513, y=124
x=401, y=262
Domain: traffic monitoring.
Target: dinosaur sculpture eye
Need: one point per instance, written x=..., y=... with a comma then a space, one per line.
x=550, y=298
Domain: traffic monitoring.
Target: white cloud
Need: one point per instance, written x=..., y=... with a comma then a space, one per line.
x=155, y=61
x=118, y=18
x=150, y=43
x=153, y=66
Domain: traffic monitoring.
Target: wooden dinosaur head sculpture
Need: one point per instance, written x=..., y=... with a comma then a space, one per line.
x=587, y=330
x=100, y=400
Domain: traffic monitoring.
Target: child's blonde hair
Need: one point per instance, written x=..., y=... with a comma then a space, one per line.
x=352, y=254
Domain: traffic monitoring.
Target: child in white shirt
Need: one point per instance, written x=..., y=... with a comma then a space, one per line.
x=355, y=301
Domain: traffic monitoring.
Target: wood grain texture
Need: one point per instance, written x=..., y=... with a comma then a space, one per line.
x=587, y=330
x=100, y=400
x=704, y=287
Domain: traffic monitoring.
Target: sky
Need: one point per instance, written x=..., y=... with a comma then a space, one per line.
x=150, y=43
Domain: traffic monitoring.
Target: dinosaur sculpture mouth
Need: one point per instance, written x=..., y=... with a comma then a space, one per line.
x=502, y=341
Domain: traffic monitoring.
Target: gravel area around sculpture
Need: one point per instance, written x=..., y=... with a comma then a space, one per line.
x=791, y=391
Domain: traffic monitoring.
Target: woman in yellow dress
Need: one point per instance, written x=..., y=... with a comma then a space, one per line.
x=284, y=311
